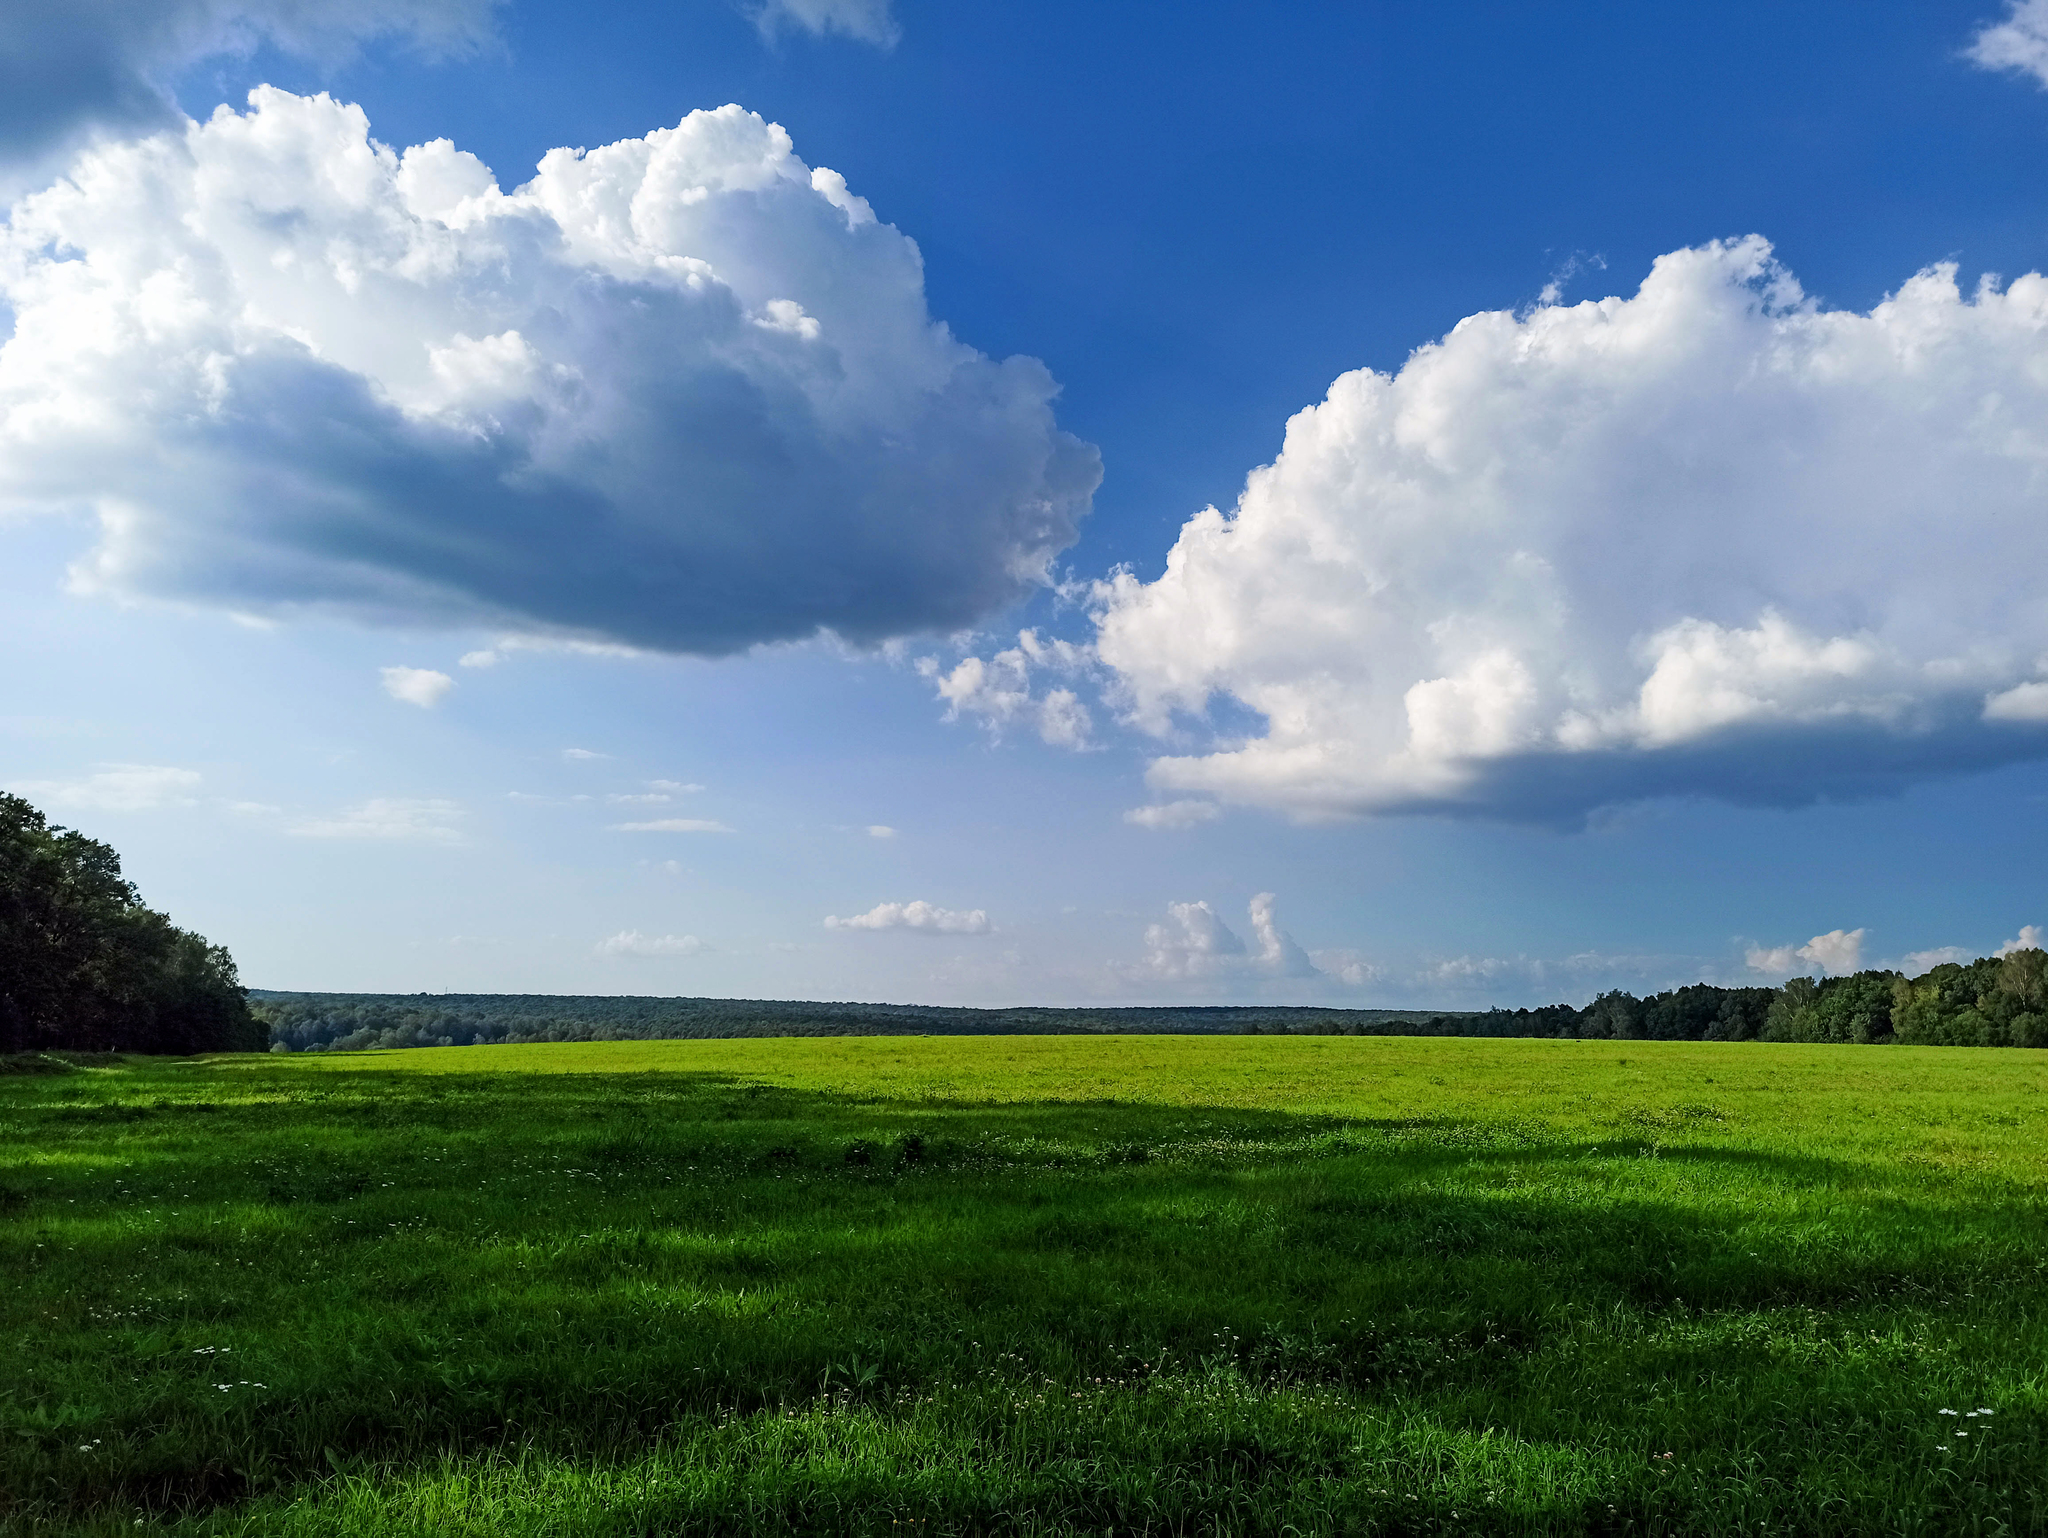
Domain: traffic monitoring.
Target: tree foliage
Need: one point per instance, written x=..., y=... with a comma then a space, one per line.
x=85, y=967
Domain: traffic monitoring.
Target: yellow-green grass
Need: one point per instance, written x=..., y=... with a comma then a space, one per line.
x=1037, y=1284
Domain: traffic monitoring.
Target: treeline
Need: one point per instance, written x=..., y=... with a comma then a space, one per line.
x=356, y=1022
x=1993, y=1002
x=86, y=967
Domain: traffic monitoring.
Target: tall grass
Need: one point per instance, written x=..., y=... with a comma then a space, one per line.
x=1063, y=1285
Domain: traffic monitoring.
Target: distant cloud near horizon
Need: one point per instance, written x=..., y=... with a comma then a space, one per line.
x=632, y=943
x=2028, y=939
x=1195, y=944
x=681, y=393
x=1837, y=953
x=1915, y=963
x=918, y=917
x=672, y=825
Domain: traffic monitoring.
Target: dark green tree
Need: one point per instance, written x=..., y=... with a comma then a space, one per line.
x=84, y=966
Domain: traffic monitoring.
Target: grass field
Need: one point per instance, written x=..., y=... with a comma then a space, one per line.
x=1037, y=1285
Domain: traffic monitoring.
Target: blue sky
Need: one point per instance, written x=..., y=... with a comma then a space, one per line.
x=692, y=571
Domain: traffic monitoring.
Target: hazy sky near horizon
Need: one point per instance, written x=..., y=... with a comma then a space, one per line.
x=1361, y=504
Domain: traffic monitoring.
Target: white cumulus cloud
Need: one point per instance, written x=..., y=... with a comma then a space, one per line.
x=1836, y=953
x=114, y=788
x=632, y=943
x=2028, y=939
x=416, y=686
x=2019, y=43
x=1195, y=944
x=997, y=690
x=1712, y=538
x=919, y=917
x=425, y=820
x=680, y=393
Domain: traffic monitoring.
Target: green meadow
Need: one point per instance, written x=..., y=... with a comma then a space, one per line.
x=1159, y=1285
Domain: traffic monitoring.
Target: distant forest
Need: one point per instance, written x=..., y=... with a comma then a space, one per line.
x=1996, y=1001
x=355, y=1022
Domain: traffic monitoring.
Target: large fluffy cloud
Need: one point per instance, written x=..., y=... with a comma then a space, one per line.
x=69, y=70
x=679, y=392
x=1712, y=538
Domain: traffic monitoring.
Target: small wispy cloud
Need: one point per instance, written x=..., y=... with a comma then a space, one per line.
x=1174, y=814
x=672, y=825
x=867, y=21
x=419, y=820
x=632, y=943
x=580, y=755
x=880, y=830
x=490, y=656
x=114, y=788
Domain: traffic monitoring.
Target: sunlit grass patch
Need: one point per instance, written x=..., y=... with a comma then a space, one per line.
x=1167, y=1285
